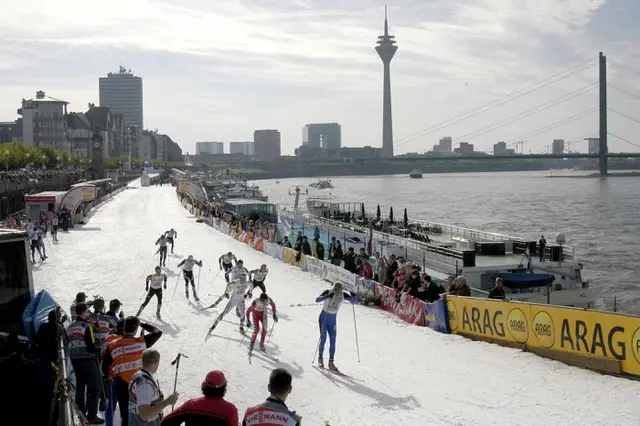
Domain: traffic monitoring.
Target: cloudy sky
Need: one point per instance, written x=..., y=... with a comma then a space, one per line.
x=217, y=70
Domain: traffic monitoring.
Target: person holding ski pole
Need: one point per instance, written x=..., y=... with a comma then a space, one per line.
x=258, y=308
x=162, y=242
x=225, y=262
x=331, y=302
x=156, y=281
x=236, y=292
x=187, y=273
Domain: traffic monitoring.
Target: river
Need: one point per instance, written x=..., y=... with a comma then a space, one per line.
x=599, y=217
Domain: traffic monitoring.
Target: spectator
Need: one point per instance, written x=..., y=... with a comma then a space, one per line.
x=305, y=247
x=146, y=400
x=211, y=409
x=83, y=350
x=459, y=287
x=123, y=358
x=497, y=292
x=350, y=260
x=279, y=388
x=392, y=267
x=380, y=268
x=336, y=255
x=433, y=290
x=366, y=270
x=412, y=283
x=318, y=251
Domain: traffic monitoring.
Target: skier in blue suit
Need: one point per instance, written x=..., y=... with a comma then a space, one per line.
x=332, y=300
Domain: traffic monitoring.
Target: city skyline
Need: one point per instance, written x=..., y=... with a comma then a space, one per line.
x=272, y=69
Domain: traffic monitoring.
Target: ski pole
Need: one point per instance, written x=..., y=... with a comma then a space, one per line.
x=271, y=332
x=176, y=286
x=176, y=362
x=355, y=327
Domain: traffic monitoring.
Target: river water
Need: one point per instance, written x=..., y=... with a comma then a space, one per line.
x=600, y=217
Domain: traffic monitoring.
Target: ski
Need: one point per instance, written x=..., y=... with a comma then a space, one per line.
x=266, y=355
x=216, y=303
x=215, y=324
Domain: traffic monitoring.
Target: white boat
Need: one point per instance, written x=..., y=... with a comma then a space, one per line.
x=447, y=250
x=322, y=184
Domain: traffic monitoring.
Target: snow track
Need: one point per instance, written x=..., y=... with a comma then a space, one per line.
x=408, y=375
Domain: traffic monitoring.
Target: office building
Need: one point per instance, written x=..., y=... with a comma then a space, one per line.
x=209, y=148
x=465, y=148
x=322, y=135
x=244, y=148
x=266, y=144
x=557, y=148
x=594, y=145
x=122, y=93
x=11, y=131
x=43, y=122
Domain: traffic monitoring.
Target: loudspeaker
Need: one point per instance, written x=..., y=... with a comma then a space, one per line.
x=16, y=281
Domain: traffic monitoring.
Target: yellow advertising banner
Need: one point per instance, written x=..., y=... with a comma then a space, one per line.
x=491, y=319
x=596, y=334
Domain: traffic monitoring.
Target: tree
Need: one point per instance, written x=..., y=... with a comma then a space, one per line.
x=378, y=213
x=362, y=210
x=406, y=218
x=391, y=214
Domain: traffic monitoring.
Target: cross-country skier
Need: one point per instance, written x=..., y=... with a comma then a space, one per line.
x=187, y=274
x=156, y=282
x=225, y=262
x=234, y=275
x=258, y=276
x=332, y=300
x=171, y=235
x=259, y=310
x=236, y=292
x=54, y=227
x=162, y=242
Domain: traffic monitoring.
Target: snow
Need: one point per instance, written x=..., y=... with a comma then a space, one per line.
x=407, y=375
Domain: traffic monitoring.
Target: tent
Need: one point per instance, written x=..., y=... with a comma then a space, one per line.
x=35, y=314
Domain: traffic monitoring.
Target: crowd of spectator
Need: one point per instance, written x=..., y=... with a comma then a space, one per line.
x=114, y=365
x=16, y=179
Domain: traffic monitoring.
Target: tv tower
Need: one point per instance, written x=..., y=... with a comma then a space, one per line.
x=386, y=48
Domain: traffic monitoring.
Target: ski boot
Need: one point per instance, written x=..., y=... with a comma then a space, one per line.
x=186, y=292
x=320, y=363
x=238, y=313
x=262, y=348
x=241, y=329
x=195, y=297
x=332, y=366
x=251, y=346
x=158, y=314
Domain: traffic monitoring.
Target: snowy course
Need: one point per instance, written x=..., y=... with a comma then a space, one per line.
x=407, y=375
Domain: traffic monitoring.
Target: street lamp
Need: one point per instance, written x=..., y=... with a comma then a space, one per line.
x=44, y=159
x=58, y=162
x=6, y=159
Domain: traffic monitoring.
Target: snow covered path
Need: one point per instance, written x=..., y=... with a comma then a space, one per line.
x=408, y=375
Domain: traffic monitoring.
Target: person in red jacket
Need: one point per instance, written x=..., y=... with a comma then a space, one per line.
x=258, y=308
x=210, y=410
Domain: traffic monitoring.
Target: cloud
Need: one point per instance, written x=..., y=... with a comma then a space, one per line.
x=218, y=70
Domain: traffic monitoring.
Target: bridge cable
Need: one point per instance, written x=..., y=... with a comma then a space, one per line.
x=553, y=125
x=495, y=103
x=531, y=111
x=621, y=90
x=624, y=139
x=624, y=115
x=623, y=66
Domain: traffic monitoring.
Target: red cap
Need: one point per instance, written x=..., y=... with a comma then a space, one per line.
x=215, y=379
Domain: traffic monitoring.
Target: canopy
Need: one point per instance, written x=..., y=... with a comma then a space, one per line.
x=36, y=312
x=524, y=280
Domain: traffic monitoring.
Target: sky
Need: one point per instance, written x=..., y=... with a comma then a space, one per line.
x=216, y=71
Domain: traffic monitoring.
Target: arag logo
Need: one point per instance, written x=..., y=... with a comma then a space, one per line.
x=453, y=314
x=635, y=342
x=543, y=329
x=518, y=326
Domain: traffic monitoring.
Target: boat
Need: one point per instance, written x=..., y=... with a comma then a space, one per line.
x=322, y=184
x=415, y=174
x=444, y=251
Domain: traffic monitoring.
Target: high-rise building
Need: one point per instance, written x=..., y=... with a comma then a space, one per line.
x=557, y=148
x=43, y=122
x=594, y=145
x=266, y=144
x=122, y=93
x=386, y=48
x=322, y=135
x=209, y=148
x=244, y=148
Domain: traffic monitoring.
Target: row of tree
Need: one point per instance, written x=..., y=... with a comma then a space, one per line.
x=16, y=155
x=405, y=219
